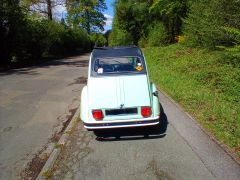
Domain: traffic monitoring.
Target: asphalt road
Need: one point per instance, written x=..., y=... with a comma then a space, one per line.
x=177, y=149
x=35, y=105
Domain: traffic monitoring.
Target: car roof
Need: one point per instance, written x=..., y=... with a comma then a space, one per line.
x=110, y=52
x=120, y=51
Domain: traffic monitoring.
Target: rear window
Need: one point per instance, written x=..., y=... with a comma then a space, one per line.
x=118, y=65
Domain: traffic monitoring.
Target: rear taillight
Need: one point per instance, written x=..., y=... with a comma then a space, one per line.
x=146, y=111
x=97, y=114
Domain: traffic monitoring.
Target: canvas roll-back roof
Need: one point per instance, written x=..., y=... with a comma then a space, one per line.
x=111, y=52
x=117, y=52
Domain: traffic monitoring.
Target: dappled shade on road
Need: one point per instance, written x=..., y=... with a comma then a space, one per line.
x=32, y=70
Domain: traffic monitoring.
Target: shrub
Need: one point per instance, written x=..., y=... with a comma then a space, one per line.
x=202, y=27
x=98, y=40
x=232, y=55
x=76, y=39
x=54, y=38
x=26, y=38
x=157, y=35
x=143, y=42
x=181, y=39
x=120, y=38
x=29, y=43
x=232, y=51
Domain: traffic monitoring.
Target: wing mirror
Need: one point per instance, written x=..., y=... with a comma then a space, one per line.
x=155, y=93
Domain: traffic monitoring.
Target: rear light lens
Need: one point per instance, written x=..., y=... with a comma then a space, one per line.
x=97, y=114
x=146, y=111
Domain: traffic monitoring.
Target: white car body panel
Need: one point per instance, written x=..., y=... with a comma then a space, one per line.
x=117, y=91
x=111, y=92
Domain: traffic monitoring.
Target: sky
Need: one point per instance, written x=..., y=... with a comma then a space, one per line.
x=109, y=14
x=60, y=11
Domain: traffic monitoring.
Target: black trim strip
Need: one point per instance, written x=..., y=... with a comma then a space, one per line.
x=120, y=123
x=111, y=112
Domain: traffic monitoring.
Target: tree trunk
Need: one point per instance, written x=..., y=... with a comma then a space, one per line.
x=173, y=31
x=88, y=22
x=49, y=9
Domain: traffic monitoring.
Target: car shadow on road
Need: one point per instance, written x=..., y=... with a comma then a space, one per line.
x=139, y=133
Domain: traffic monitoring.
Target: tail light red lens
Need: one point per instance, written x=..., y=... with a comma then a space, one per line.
x=97, y=114
x=146, y=111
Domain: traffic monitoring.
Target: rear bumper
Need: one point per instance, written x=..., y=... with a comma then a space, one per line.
x=122, y=123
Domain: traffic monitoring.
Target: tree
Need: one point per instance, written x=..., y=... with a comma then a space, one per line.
x=26, y=37
x=139, y=18
x=157, y=35
x=12, y=23
x=203, y=28
x=231, y=15
x=212, y=26
x=118, y=35
x=106, y=35
x=43, y=6
x=87, y=14
x=231, y=30
x=132, y=17
x=170, y=13
x=98, y=39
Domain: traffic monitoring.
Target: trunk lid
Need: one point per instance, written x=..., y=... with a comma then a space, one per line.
x=118, y=92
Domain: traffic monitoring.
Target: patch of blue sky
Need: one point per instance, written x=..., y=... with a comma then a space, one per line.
x=108, y=13
x=60, y=12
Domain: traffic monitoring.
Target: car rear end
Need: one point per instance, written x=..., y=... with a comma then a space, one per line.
x=120, y=101
x=119, y=93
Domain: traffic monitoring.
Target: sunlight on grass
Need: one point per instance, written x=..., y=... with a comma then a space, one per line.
x=205, y=86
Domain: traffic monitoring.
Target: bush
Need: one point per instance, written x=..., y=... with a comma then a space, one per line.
x=29, y=42
x=98, y=40
x=50, y=39
x=62, y=40
x=76, y=39
x=202, y=27
x=54, y=44
x=232, y=51
x=232, y=55
x=143, y=42
x=12, y=25
x=26, y=38
x=120, y=38
x=157, y=35
x=32, y=37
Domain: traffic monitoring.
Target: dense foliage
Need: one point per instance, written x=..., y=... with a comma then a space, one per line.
x=139, y=20
x=210, y=24
x=27, y=36
x=217, y=25
x=87, y=14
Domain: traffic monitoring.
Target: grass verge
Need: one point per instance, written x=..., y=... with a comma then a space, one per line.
x=204, y=84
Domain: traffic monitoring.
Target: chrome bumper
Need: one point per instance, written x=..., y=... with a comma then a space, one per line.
x=122, y=123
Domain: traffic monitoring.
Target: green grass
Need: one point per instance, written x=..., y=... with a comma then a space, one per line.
x=206, y=86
